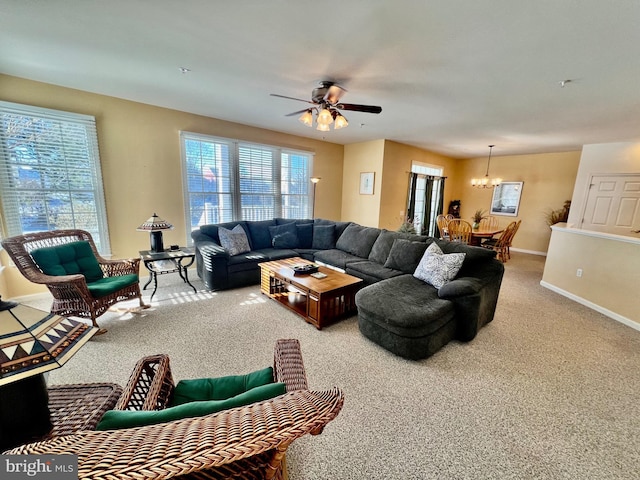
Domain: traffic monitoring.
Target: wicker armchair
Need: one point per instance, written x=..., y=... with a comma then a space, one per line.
x=71, y=296
x=241, y=443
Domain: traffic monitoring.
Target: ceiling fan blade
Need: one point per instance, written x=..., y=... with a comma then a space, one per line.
x=334, y=94
x=359, y=108
x=291, y=98
x=297, y=113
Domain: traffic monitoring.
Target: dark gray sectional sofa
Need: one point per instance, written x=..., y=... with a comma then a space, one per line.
x=401, y=313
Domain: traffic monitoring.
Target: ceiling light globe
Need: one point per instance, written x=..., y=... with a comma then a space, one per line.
x=324, y=117
x=306, y=118
x=322, y=127
x=341, y=122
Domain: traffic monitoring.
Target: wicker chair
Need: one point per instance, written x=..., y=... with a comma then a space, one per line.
x=241, y=443
x=459, y=231
x=71, y=296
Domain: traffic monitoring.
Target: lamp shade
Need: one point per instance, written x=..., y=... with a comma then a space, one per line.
x=154, y=224
x=33, y=341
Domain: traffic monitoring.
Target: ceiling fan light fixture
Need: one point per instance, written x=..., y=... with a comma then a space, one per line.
x=323, y=127
x=340, y=122
x=307, y=118
x=324, y=117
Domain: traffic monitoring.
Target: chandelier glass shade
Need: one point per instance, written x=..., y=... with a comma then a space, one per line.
x=486, y=181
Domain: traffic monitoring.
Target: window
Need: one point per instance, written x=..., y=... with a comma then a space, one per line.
x=50, y=175
x=227, y=180
x=423, y=215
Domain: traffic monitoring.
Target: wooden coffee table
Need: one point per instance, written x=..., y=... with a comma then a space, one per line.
x=320, y=301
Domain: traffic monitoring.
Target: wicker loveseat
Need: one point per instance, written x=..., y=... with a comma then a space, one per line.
x=242, y=443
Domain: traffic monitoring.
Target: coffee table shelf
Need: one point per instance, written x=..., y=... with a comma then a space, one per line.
x=318, y=301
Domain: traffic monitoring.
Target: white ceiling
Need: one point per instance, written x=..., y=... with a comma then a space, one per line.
x=452, y=76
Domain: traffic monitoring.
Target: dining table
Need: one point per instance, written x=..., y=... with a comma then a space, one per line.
x=479, y=234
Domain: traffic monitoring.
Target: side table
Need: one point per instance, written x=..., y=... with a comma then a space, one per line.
x=169, y=261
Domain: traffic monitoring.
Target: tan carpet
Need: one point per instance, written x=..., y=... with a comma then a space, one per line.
x=549, y=390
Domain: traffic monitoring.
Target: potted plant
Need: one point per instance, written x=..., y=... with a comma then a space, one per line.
x=477, y=218
x=407, y=226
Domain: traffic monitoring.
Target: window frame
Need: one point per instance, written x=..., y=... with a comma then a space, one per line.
x=234, y=178
x=12, y=221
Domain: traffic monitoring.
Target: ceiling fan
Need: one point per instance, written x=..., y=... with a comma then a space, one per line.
x=326, y=103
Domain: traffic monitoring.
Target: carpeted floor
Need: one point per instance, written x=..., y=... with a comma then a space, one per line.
x=548, y=390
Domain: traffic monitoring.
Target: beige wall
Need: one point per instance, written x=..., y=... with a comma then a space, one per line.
x=548, y=181
x=599, y=159
x=610, y=268
x=395, y=182
x=140, y=156
x=359, y=158
x=391, y=162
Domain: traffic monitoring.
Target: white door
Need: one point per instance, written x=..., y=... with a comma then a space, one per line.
x=613, y=205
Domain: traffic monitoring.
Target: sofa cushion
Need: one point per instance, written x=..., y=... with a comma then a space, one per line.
x=415, y=311
x=68, y=259
x=336, y=258
x=358, y=240
x=370, y=271
x=284, y=236
x=220, y=388
x=260, y=235
x=115, y=419
x=324, y=237
x=437, y=268
x=382, y=246
x=305, y=234
x=475, y=257
x=297, y=221
x=276, y=253
x=211, y=230
x=340, y=226
x=108, y=285
x=235, y=240
x=405, y=255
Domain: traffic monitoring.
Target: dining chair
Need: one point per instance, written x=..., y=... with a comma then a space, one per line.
x=459, y=231
x=450, y=217
x=513, y=234
x=442, y=222
x=489, y=222
x=501, y=244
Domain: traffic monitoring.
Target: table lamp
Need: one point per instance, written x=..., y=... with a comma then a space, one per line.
x=154, y=225
x=32, y=342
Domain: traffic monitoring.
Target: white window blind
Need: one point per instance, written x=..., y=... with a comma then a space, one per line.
x=50, y=175
x=226, y=180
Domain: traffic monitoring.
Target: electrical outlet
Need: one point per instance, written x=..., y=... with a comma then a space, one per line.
x=579, y=272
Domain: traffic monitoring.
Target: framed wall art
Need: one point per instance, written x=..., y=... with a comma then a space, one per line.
x=506, y=199
x=366, y=183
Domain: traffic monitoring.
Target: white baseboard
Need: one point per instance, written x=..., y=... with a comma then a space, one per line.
x=531, y=252
x=605, y=311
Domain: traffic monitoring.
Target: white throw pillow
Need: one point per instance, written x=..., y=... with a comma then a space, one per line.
x=437, y=268
x=235, y=241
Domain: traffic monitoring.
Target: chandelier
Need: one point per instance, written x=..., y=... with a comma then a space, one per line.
x=324, y=118
x=486, y=182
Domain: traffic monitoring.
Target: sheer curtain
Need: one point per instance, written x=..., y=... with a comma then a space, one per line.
x=425, y=202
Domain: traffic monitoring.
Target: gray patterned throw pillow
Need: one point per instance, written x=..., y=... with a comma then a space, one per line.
x=437, y=268
x=235, y=241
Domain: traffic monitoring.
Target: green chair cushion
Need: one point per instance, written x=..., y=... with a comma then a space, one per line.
x=115, y=419
x=68, y=259
x=202, y=389
x=108, y=285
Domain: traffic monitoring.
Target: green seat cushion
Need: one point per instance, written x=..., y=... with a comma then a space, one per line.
x=68, y=259
x=202, y=389
x=115, y=419
x=108, y=285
